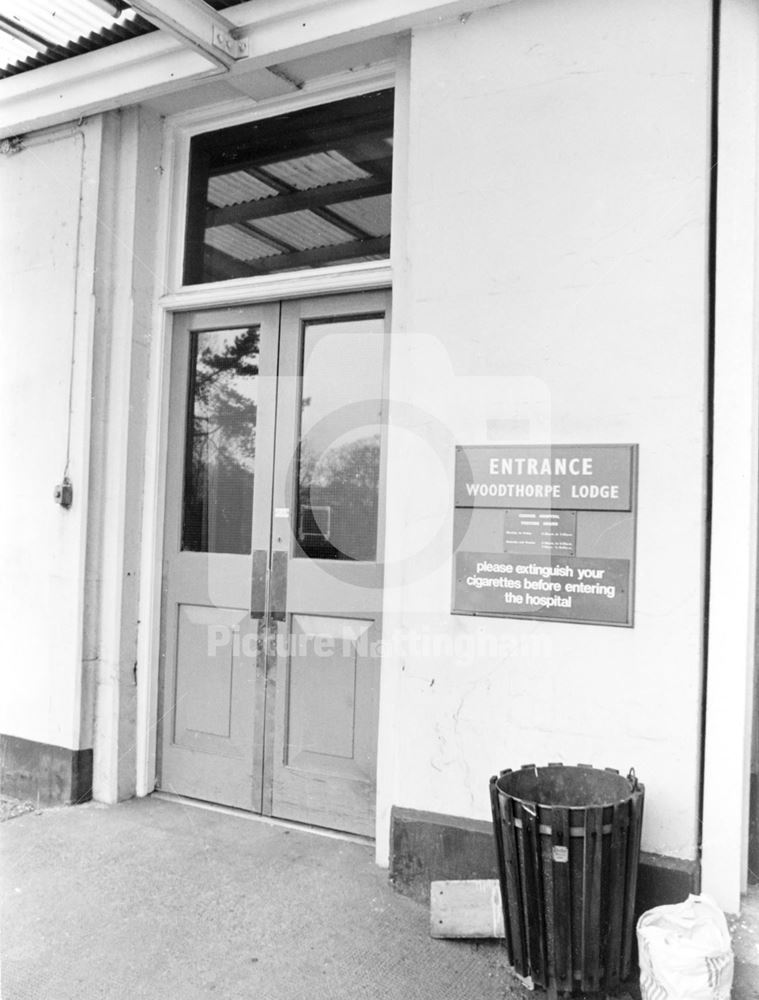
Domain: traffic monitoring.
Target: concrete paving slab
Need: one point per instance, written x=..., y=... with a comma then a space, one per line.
x=158, y=900
x=154, y=899
x=744, y=930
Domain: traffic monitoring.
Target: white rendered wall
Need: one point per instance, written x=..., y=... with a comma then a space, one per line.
x=124, y=289
x=48, y=195
x=550, y=285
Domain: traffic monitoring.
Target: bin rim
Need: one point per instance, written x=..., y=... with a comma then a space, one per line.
x=635, y=786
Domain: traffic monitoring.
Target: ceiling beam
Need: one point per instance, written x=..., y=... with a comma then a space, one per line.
x=140, y=68
x=196, y=24
x=221, y=266
x=321, y=255
x=331, y=136
x=329, y=194
x=334, y=218
x=260, y=234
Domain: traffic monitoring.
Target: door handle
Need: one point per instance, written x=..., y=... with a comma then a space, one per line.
x=278, y=586
x=258, y=583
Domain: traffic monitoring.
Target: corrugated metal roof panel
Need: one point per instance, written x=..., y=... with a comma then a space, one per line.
x=237, y=187
x=303, y=230
x=38, y=32
x=238, y=244
x=370, y=214
x=315, y=170
x=11, y=49
x=62, y=21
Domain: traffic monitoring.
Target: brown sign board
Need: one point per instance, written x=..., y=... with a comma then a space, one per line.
x=539, y=531
x=562, y=589
x=557, y=477
x=546, y=532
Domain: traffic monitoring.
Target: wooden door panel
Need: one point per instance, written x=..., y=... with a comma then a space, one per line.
x=325, y=747
x=320, y=711
x=214, y=697
x=213, y=680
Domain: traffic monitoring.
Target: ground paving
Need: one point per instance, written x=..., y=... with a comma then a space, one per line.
x=154, y=899
x=159, y=900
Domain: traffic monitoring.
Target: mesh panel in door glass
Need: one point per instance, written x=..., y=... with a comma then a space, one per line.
x=339, y=455
x=220, y=448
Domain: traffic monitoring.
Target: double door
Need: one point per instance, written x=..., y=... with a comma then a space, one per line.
x=272, y=575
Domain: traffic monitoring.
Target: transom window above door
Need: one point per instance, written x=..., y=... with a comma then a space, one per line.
x=301, y=190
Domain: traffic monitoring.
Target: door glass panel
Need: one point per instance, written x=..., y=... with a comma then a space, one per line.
x=339, y=450
x=221, y=441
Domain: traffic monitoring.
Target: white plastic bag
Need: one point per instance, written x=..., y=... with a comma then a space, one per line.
x=684, y=952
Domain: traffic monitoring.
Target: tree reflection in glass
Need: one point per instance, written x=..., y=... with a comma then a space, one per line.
x=338, y=500
x=339, y=456
x=221, y=441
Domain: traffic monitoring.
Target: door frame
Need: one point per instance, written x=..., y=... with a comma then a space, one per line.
x=338, y=279
x=283, y=327
x=154, y=513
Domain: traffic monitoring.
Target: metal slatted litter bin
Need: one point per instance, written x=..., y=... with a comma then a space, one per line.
x=568, y=843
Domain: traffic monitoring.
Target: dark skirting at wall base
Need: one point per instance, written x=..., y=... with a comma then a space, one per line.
x=426, y=847
x=753, y=832
x=44, y=774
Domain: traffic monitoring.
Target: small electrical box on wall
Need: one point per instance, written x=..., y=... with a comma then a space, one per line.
x=63, y=493
x=546, y=532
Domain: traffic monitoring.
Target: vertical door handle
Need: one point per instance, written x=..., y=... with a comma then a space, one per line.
x=278, y=586
x=258, y=584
